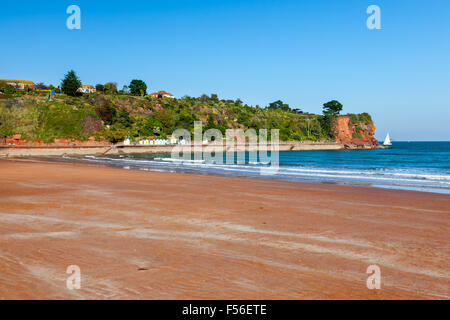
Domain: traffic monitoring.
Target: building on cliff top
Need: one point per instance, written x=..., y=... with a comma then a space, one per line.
x=161, y=94
x=85, y=88
x=20, y=84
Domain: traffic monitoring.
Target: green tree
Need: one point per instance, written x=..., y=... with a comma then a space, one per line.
x=99, y=87
x=204, y=98
x=124, y=119
x=332, y=108
x=152, y=126
x=214, y=97
x=40, y=86
x=137, y=87
x=326, y=123
x=70, y=83
x=110, y=88
x=279, y=105
x=210, y=123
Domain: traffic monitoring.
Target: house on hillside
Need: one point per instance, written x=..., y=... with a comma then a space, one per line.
x=20, y=84
x=161, y=94
x=85, y=88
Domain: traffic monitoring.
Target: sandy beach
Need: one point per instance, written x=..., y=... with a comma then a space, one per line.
x=155, y=235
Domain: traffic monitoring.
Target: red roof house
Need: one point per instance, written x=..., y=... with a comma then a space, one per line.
x=161, y=94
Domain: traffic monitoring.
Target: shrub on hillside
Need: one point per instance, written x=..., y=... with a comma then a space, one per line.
x=91, y=125
x=8, y=89
x=104, y=109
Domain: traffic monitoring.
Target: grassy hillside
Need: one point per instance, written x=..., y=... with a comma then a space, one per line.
x=114, y=117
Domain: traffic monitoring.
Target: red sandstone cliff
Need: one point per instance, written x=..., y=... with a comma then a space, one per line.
x=358, y=134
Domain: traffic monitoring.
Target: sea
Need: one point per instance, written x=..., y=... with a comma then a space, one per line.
x=415, y=166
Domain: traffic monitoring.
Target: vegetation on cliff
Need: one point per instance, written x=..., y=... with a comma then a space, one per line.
x=117, y=116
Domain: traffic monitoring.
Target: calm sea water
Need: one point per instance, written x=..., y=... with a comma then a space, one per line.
x=419, y=166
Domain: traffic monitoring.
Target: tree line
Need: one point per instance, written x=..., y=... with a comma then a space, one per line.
x=71, y=83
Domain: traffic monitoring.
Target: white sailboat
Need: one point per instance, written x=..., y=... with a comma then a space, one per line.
x=387, y=141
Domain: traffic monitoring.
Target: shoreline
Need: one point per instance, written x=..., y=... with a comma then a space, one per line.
x=157, y=235
x=135, y=167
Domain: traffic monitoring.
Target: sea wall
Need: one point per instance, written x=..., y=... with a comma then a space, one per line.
x=21, y=151
x=17, y=141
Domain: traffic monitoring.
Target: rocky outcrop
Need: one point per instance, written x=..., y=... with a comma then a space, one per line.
x=353, y=135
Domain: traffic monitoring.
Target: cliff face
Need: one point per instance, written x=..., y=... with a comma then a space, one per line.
x=350, y=130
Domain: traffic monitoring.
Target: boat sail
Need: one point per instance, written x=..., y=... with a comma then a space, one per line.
x=387, y=141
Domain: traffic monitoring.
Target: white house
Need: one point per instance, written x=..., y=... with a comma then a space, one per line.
x=85, y=88
x=20, y=84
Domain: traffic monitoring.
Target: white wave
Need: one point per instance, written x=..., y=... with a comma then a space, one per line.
x=259, y=163
x=367, y=172
x=180, y=160
x=383, y=176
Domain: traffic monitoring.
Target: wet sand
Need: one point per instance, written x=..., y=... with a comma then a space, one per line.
x=154, y=235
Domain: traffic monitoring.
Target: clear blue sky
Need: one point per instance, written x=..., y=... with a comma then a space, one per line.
x=304, y=52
